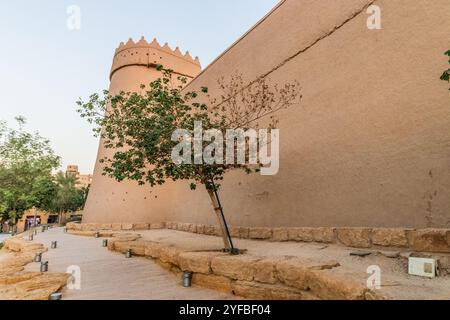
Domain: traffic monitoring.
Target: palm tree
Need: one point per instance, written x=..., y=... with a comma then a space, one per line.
x=67, y=194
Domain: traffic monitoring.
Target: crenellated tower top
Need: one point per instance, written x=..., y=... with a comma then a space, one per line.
x=143, y=53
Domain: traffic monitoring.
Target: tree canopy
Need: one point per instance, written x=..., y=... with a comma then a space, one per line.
x=26, y=164
x=139, y=126
x=144, y=129
x=446, y=75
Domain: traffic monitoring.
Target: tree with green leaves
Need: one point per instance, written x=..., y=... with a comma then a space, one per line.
x=26, y=164
x=140, y=126
x=446, y=75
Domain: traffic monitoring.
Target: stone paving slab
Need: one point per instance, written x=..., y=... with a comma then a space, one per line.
x=108, y=275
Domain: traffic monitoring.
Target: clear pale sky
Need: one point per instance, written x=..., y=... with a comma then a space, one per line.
x=45, y=67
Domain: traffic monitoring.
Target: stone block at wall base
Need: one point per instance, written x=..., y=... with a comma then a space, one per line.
x=354, y=237
x=431, y=240
x=260, y=233
x=390, y=237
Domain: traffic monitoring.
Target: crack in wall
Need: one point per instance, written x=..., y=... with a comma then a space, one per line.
x=285, y=61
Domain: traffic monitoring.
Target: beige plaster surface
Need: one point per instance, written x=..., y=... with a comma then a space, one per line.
x=368, y=146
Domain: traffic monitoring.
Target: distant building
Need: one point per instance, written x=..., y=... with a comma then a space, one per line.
x=35, y=217
x=83, y=180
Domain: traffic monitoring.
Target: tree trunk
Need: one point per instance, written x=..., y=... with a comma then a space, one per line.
x=60, y=217
x=222, y=223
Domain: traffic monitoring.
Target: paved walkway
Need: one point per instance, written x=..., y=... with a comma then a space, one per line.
x=3, y=236
x=109, y=275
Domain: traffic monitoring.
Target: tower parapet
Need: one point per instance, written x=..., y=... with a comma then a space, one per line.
x=143, y=53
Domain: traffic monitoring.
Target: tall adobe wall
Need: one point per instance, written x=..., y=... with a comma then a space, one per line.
x=370, y=143
x=135, y=64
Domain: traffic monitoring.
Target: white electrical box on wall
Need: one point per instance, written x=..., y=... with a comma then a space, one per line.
x=423, y=267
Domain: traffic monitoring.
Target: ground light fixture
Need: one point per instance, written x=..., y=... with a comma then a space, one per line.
x=44, y=266
x=128, y=253
x=187, y=279
x=105, y=242
x=97, y=234
x=65, y=230
x=55, y=296
x=38, y=257
x=30, y=237
x=54, y=244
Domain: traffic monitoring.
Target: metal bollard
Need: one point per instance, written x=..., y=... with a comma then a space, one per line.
x=65, y=230
x=43, y=229
x=105, y=243
x=30, y=237
x=55, y=296
x=187, y=279
x=54, y=244
x=35, y=231
x=128, y=253
x=38, y=257
x=97, y=235
x=44, y=266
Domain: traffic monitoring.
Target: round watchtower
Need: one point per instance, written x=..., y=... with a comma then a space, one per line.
x=109, y=201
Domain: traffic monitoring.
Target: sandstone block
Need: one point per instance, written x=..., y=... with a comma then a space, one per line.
x=212, y=281
x=111, y=246
x=12, y=278
x=192, y=228
x=106, y=234
x=329, y=285
x=73, y=226
x=210, y=230
x=141, y=226
x=301, y=234
x=170, y=225
x=354, y=237
x=234, y=231
x=254, y=290
x=324, y=234
x=280, y=234
x=390, y=237
x=104, y=226
x=260, y=233
x=88, y=227
x=265, y=270
x=197, y=261
x=444, y=266
x=292, y=272
x=244, y=233
x=431, y=240
x=119, y=236
x=152, y=249
x=158, y=225
x=235, y=267
x=122, y=246
x=200, y=228
x=41, y=287
x=138, y=248
x=116, y=226
x=127, y=226
x=82, y=233
x=169, y=254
